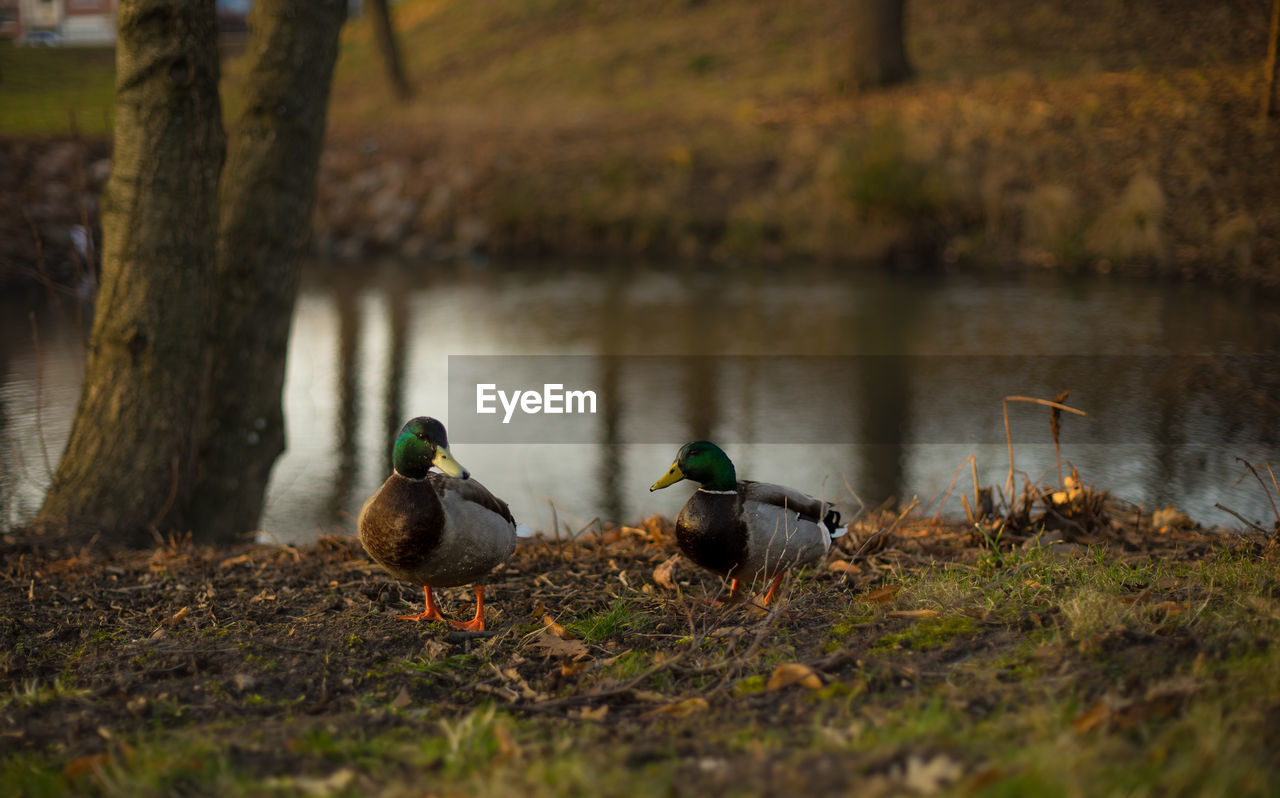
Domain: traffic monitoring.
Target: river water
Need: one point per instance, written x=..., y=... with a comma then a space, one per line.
x=857, y=386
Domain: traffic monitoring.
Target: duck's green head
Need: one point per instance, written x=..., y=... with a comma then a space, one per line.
x=423, y=443
x=704, y=463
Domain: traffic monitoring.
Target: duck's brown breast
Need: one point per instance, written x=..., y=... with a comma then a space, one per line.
x=710, y=531
x=401, y=524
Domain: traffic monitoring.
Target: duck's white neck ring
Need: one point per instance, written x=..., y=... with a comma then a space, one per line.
x=719, y=492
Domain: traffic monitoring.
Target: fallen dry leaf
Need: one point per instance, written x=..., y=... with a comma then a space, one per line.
x=681, y=709
x=1172, y=691
x=756, y=610
x=508, y=748
x=335, y=782
x=1090, y=718
x=914, y=615
x=573, y=668
x=1160, y=701
x=593, y=713
x=842, y=567
x=402, y=699
x=513, y=677
x=559, y=647
x=85, y=764
x=882, y=595
x=794, y=673
x=928, y=776
x=500, y=690
x=658, y=527
x=664, y=574
x=556, y=629
x=982, y=779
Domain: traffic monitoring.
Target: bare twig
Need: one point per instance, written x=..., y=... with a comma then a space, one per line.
x=1243, y=520
x=1008, y=434
x=973, y=471
x=879, y=533
x=947, y=493
x=1265, y=491
x=1055, y=426
x=862, y=507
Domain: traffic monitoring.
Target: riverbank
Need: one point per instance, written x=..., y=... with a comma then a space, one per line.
x=922, y=657
x=1104, y=139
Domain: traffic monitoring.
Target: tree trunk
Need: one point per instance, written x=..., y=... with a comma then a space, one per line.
x=879, y=56
x=129, y=460
x=385, y=36
x=268, y=194
x=1271, y=81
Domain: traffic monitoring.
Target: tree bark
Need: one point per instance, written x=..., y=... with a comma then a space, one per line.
x=1271, y=81
x=129, y=459
x=878, y=54
x=268, y=195
x=385, y=36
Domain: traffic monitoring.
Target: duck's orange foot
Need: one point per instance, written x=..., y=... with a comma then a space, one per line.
x=773, y=589
x=431, y=613
x=476, y=624
x=736, y=596
x=423, y=616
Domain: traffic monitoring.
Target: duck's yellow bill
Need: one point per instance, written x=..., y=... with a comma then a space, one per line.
x=672, y=476
x=445, y=462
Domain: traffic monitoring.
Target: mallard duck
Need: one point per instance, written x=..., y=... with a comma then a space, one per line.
x=435, y=529
x=745, y=530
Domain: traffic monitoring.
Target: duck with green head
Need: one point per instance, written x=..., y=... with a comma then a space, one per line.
x=435, y=529
x=746, y=530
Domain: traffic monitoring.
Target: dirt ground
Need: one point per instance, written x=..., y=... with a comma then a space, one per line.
x=907, y=663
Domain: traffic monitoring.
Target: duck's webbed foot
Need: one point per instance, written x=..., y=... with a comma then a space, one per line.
x=431, y=613
x=476, y=624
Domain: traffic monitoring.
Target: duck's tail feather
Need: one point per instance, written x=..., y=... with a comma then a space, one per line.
x=523, y=531
x=832, y=522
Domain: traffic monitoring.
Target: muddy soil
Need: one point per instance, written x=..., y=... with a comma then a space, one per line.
x=604, y=640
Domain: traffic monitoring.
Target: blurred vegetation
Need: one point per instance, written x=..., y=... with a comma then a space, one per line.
x=1070, y=135
x=1095, y=135
x=46, y=90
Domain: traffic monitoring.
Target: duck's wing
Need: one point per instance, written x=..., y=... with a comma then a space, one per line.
x=809, y=508
x=472, y=491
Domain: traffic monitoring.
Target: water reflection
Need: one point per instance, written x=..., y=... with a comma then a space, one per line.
x=393, y=412
x=610, y=475
x=371, y=347
x=349, y=404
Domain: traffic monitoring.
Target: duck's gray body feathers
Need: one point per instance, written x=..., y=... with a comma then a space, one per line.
x=439, y=531
x=756, y=531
